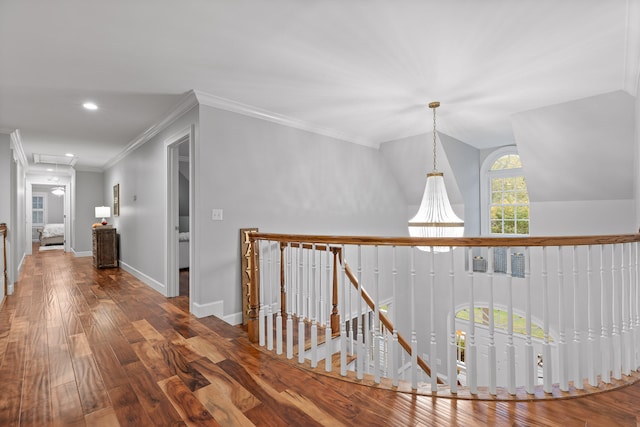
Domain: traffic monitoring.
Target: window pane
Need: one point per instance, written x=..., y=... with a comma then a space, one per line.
x=496, y=197
x=496, y=212
x=523, y=227
x=496, y=184
x=509, y=212
x=522, y=197
x=37, y=202
x=509, y=227
x=496, y=227
x=522, y=212
x=509, y=183
x=520, y=183
x=37, y=217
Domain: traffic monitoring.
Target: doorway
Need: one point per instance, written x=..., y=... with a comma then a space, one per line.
x=179, y=249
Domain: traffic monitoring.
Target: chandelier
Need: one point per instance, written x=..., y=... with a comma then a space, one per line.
x=435, y=217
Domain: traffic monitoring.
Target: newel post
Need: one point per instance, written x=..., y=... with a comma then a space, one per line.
x=254, y=292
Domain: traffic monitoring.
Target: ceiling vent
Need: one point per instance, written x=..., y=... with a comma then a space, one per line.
x=54, y=159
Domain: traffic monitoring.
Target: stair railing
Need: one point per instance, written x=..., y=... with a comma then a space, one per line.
x=572, y=308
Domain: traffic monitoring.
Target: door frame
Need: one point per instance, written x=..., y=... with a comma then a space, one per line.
x=171, y=211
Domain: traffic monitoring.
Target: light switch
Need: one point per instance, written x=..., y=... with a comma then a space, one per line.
x=216, y=214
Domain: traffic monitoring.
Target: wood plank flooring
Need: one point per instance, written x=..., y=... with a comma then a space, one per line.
x=87, y=347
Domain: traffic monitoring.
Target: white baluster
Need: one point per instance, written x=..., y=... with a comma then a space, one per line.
x=562, y=344
x=577, y=352
x=511, y=350
x=377, y=333
x=360, y=359
x=615, y=336
x=470, y=344
x=592, y=348
x=624, y=302
x=529, y=359
x=393, y=352
x=433, y=347
x=547, y=364
x=605, y=341
x=290, y=302
x=313, y=308
x=343, y=317
x=280, y=269
x=328, y=333
x=636, y=303
x=452, y=351
x=269, y=310
x=261, y=311
x=414, y=337
x=301, y=312
x=493, y=364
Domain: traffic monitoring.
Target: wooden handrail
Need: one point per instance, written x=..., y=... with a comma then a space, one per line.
x=450, y=242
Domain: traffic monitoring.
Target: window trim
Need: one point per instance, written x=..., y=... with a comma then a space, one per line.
x=485, y=188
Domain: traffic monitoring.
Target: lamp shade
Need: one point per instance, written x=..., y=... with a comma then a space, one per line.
x=435, y=217
x=103, y=212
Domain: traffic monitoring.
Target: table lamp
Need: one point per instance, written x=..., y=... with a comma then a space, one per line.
x=103, y=212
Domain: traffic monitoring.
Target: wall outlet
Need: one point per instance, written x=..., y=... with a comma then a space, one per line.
x=216, y=214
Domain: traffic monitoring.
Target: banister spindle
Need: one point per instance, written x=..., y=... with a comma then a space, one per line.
x=301, y=307
x=328, y=310
x=377, y=333
x=269, y=309
x=511, y=350
x=624, y=303
x=529, y=360
x=605, y=341
x=291, y=298
x=615, y=314
x=360, y=359
x=562, y=311
x=491, y=350
x=636, y=303
x=414, y=336
x=283, y=300
x=393, y=352
x=313, y=312
x=470, y=343
x=547, y=361
x=452, y=349
x=433, y=347
x=261, y=313
x=577, y=352
x=343, y=317
x=592, y=349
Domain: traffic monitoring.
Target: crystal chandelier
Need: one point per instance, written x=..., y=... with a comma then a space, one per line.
x=435, y=218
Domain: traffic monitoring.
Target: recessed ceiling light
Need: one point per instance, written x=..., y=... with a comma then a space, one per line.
x=90, y=106
x=69, y=155
x=49, y=170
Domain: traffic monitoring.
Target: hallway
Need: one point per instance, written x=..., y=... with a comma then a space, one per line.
x=80, y=346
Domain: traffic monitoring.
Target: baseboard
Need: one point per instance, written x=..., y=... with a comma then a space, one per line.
x=215, y=308
x=151, y=282
x=81, y=253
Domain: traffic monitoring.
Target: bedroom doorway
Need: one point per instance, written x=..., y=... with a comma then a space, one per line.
x=47, y=213
x=180, y=277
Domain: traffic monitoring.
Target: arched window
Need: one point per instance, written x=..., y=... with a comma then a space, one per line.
x=505, y=196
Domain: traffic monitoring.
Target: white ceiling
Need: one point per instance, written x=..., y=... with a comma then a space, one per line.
x=365, y=69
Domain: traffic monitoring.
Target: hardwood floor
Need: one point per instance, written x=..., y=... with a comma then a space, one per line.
x=81, y=346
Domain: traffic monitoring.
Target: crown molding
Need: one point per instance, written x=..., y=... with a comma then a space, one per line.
x=6, y=131
x=88, y=169
x=259, y=113
x=18, y=150
x=632, y=48
x=187, y=102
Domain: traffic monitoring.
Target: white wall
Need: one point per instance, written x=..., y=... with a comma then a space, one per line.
x=141, y=224
x=578, y=160
x=5, y=195
x=636, y=169
x=89, y=193
x=285, y=180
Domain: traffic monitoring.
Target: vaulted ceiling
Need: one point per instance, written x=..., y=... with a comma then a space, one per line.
x=361, y=70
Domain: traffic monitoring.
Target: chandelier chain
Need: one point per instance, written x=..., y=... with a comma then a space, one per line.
x=434, y=141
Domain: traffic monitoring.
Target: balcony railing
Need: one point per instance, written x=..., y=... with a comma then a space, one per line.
x=510, y=315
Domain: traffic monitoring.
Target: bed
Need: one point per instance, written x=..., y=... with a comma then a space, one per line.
x=52, y=234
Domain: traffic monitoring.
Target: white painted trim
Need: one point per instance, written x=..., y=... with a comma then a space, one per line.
x=144, y=278
x=215, y=308
x=81, y=253
x=233, y=318
x=259, y=113
x=187, y=102
x=88, y=169
x=18, y=149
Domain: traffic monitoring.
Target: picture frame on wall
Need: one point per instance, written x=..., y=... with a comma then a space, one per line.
x=116, y=200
